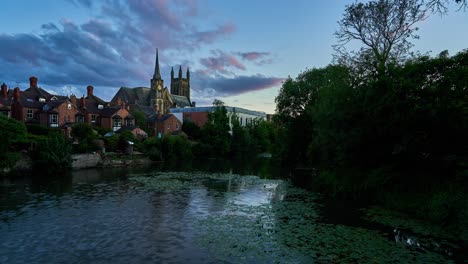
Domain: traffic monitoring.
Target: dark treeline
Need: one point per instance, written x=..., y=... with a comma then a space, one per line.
x=387, y=137
x=383, y=124
x=221, y=137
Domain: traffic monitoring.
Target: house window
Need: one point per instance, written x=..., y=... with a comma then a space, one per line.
x=29, y=114
x=69, y=106
x=176, y=126
x=128, y=122
x=117, y=123
x=93, y=118
x=53, y=118
x=79, y=119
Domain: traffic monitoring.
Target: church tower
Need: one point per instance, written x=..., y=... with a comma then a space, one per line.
x=157, y=86
x=180, y=86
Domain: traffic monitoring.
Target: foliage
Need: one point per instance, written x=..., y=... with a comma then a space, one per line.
x=405, y=130
x=12, y=133
x=176, y=148
x=123, y=139
x=152, y=148
x=53, y=153
x=216, y=140
x=192, y=130
x=141, y=120
x=111, y=142
x=85, y=135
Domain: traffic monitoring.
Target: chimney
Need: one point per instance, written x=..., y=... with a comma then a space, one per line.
x=82, y=102
x=32, y=82
x=90, y=90
x=73, y=100
x=4, y=91
x=194, y=104
x=16, y=94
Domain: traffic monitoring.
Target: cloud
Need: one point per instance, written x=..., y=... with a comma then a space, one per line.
x=113, y=49
x=210, y=36
x=117, y=48
x=228, y=86
x=259, y=58
x=220, y=62
x=253, y=55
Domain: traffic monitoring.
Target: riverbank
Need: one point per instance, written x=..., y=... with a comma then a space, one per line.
x=86, y=161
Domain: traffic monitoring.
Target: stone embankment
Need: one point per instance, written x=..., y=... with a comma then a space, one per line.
x=84, y=161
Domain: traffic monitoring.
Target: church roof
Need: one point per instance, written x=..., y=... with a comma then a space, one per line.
x=137, y=95
x=180, y=101
x=148, y=110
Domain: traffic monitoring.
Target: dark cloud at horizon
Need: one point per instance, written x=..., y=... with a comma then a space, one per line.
x=116, y=48
x=229, y=86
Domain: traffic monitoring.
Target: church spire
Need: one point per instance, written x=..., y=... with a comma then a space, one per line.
x=157, y=73
x=180, y=72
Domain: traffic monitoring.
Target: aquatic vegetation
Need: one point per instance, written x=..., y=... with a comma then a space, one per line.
x=284, y=226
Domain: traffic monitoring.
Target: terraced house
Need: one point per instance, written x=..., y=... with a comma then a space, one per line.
x=37, y=106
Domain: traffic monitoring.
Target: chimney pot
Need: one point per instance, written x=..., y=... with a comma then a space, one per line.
x=32, y=81
x=16, y=94
x=4, y=91
x=90, y=90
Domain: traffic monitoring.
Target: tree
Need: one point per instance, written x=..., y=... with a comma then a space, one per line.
x=84, y=134
x=12, y=132
x=192, y=130
x=241, y=143
x=440, y=6
x=216, y=139
x=140, y=120
x=53, y=153
x=383, y=27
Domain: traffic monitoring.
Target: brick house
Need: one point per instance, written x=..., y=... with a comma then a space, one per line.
x=96, y=112
x=35, y=105
x=164, y=124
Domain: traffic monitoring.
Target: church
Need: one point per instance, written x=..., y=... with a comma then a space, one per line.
x=156, y=99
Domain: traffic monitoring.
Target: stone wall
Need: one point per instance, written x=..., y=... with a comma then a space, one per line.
x=83, y=161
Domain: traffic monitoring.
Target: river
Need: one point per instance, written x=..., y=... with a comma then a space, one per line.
x=204, y=212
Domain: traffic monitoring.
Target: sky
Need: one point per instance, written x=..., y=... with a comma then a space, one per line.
x=237, y=51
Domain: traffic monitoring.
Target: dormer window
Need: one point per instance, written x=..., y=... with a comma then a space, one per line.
x=100, y=106
x=42, y=100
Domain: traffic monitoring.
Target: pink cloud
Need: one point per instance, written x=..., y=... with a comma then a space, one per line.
x=221, y=62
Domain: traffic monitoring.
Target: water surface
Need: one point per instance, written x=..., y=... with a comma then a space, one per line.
x=203, y=215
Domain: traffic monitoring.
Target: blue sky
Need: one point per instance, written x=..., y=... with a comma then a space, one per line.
x=237, y=51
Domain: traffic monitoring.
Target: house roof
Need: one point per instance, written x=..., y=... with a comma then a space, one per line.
x=52, y=105
x=92, y=103
x=157, y=118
